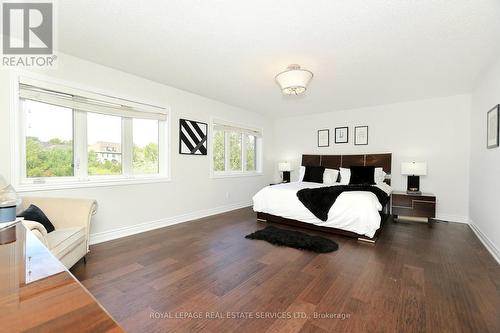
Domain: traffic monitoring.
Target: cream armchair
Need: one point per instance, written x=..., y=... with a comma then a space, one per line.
x=69, y=242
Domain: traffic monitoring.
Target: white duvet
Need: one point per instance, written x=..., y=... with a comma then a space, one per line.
x=356, y=211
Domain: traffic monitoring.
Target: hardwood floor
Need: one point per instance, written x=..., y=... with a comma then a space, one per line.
x=417, y=278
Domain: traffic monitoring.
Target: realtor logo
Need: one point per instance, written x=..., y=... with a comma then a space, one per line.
x=28, y=29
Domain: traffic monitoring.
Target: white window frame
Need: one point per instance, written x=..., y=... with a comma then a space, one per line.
x=259, y=140
x=81, y=179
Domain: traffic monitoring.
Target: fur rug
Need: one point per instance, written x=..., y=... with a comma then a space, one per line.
x=295, y=239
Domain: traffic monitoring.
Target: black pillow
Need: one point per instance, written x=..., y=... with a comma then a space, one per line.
x=362, y=175
x=33, y=213
x=314, y=174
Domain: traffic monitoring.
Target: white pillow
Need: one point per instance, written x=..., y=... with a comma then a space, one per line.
x=302, y=172
x=345, y=176
x=379, y=175
x=330, y=176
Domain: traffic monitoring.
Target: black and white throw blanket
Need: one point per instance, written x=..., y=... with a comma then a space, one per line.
x=320, y=200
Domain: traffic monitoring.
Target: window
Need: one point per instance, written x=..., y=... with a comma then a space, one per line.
x=235, y=150
x=250, y=152
x=104, y=144
x=49, y=148
x=67, y=137
x=145, y=151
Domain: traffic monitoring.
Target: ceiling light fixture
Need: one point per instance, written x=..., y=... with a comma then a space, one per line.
x=294, y=80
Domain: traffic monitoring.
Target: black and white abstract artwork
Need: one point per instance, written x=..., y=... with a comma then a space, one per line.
x=192, y=137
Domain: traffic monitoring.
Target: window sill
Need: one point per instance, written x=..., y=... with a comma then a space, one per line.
x=89, y=184
x=235, y=175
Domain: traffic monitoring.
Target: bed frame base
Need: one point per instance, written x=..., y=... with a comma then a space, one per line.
x=368, y=240
x=264, y=217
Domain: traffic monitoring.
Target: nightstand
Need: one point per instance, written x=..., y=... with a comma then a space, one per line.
x=413, y=205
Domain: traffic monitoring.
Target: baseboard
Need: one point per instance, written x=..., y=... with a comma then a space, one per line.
x=453, y=218
x=108, y=235
x=488, y=244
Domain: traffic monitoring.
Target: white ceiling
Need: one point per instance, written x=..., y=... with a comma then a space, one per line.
x=362, y=52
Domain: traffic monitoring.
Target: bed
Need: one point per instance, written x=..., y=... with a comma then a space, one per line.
x=354, y=214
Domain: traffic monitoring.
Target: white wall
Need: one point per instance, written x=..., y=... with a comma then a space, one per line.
x=436, y=131
x=485, y=163
x=190, y=194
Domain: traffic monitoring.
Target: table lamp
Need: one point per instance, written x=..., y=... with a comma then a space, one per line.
x=285, y=168
x=413, y=170
x=8, y=201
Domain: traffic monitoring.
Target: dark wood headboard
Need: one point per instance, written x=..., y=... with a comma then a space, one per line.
x=345, y=161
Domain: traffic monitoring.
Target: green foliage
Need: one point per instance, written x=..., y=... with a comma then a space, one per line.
x=218, y=150
x=234, y=151
x=151, y=153
x=55, y=159
x=250, y=150
x=57, y=141
x=52, y=159
x=145, y=160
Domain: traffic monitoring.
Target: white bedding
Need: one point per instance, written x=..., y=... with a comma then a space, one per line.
x=352, y=211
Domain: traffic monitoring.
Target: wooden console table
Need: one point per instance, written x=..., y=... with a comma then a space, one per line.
x=38, y=294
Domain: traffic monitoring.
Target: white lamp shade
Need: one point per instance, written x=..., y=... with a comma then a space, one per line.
x=294, y=80
x=285, y=166
x=8, y=196
x=414, y=168
x=3, y=183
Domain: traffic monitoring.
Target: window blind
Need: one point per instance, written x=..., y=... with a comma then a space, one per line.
x=230, y=128
x=88, y=101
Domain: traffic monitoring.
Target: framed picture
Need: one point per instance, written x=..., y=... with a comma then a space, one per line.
x=192, y=137
x=324, y=138
x=341, y=134
x=493, y=125
x=360, y=135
